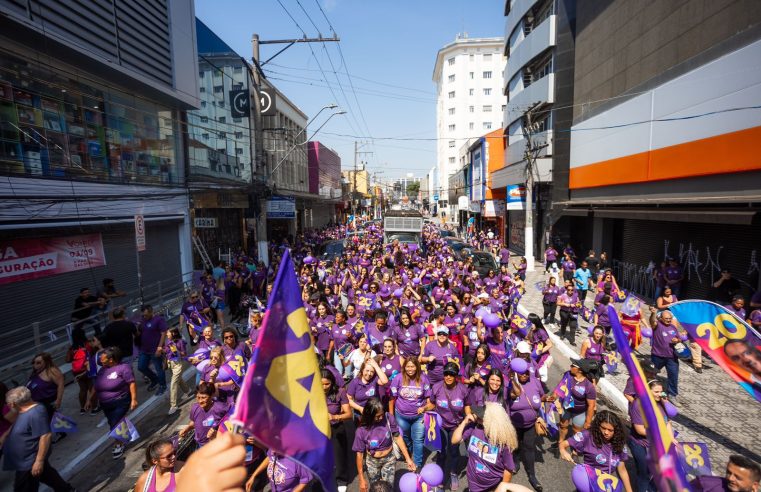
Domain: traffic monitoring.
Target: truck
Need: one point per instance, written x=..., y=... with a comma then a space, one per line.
x=406, y=226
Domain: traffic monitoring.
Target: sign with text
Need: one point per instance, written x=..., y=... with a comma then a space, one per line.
x=281, y=207
x=494, y=208
x=240, y=103
x=140, y=232
x=516, y=197
x=205, y=222
x=26, y=259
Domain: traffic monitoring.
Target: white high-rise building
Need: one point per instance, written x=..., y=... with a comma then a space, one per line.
x=469, y=78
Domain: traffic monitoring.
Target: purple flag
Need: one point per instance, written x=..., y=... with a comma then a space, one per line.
x=611, y=362
x=432, y=428
x=281, y=402
x=620, y=295
x=551, y=416
x=599, y=481
x=587, y=314
x=631, y=305
x=520, y=323
x=125, y=431
x=62, y=423
x=540, y=285
x=695, y=458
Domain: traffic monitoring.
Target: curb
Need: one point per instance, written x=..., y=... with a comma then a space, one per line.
x=83, y=458
x=605, y=387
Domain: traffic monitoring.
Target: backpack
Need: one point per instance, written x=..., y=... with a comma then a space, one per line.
x=79, y=361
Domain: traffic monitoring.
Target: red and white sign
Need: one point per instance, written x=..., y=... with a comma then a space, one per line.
x=25, y=259
x=139, y=233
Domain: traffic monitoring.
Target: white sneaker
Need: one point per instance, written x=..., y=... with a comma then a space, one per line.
x=118, y=451
x=342, y=488
x=172, y=410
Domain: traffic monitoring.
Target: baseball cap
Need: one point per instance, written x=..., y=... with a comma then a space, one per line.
x=452, y=369
x=442, y=329
x=478, y=411
x=483, y=295
x=523, y=347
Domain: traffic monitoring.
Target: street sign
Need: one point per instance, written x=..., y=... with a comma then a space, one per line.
x=205, y=222
x=240, y=103
x=435, y=198
x=267, y=102
x=139, y=233
x=281, y=207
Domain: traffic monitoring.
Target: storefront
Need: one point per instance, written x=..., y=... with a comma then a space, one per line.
x=219, y=221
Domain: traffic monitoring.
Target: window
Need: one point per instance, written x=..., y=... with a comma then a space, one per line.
x=205, y=136
x=472, y=57
x=218, y=89
x=471, y=109
x=202, y=89
x=451, y=128
x=451, y=144
x=487, y=92
x=471, y=92
x=237, y=69
x=450, y=61
x=237, y=120
x=238, y=134
x=471, y=75
x=487, y=125
x=200, y=74
x=487, y=57
x=222, y=135
x=487, y=108
x=451, y=78
x=471, y=125
x=203, y=104
x=204, y=119
x=238, y=150
x=451, y=95
x=451, y=111
x=222, y=119
x=504, y=107
x=487, y=74
x=451, y=160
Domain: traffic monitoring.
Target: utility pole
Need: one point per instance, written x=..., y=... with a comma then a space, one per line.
x=357, y=152
x=531, y=152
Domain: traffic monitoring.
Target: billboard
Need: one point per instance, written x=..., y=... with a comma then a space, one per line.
x=281, y=207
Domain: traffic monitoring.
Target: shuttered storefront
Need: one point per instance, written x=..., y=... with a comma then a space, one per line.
x=702, y=250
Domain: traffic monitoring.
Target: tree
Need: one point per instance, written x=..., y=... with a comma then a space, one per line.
x=413, y=189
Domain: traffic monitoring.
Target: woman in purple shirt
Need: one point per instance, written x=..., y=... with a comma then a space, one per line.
x=550, y=294
x=594, y=348
x=116, y=391
x=410, y=336
x=231, y=346
x=376, y=433
x=494, y=391
x=569, y=267
x=46, y=383
x=284, y=474
x=582, y=401
x=490, y=454
x=449, y=397
x=601, y=314
x=321, y=327
x=437, y=353
x=366, y=385
x=410, y=398
x=339, y=414
x=602, y=446
x=479, y=368
x=638, y=443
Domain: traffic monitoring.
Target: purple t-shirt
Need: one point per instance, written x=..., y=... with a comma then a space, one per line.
x=377, y=437
x=661, y=342
x=603, y=319
x=408, y=339
x=208, y=344
x=321, y=327
x=740, y=313
x=551, y=293
x=223, y=394
x=581, y=392
x=203, y=420
x=150, y=334
x=602, y=458
x=707, y=483
x=450, y=403
x=551, y=254
x=636, y=417
x=335, y=402
x=478, y=397
x=375, y=337
x=175, y=350
x=568, y=266
x=595, y=351
x=112, y=383
x=341, y=335
x=391, y=367
x=500, y=357
x=285, y=474
x=525, y=408
x=486, y=463
x=361, y=392
x=442, y=356
x=410, y=396
x=755, y=318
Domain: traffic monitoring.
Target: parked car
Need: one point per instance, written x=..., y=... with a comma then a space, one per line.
x=331, y=249
x=483, y=262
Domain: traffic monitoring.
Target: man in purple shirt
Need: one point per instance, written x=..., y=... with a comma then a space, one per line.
x=152, y=333
x=665, y=336
x=674, y=276
x=742, y=475
x=737, y=307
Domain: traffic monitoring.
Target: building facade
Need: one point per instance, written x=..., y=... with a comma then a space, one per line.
x=325, y=181
x=539, y=46
x=92, y=99
x=468, y=76
x=664, y=159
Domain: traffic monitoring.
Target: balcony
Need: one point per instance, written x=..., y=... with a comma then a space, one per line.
x=518, y=10
x=515, y=151
x=543, y=90
x=541, y=38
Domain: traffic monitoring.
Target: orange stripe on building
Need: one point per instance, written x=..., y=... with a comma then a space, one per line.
x=727, y=153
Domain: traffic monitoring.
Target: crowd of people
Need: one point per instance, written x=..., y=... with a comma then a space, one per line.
x=400, y=330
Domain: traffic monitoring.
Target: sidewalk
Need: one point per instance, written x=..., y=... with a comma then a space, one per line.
x=74, y=452
x=713, y=409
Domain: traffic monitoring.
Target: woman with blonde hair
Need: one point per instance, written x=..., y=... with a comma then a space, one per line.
x=491, y=440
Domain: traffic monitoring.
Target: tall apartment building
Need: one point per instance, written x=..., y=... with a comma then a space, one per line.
x=664, y=148
x=539, y=46
x=469, y=80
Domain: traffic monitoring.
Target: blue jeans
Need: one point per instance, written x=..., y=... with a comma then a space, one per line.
x=411, y=429
x=143, y=365
x=449, y=454
x=672, y=372
x=639, y=453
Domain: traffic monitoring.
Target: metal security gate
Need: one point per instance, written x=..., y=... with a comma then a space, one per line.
x=702, y=250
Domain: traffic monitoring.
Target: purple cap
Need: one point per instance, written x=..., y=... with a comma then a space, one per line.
x=398, y=293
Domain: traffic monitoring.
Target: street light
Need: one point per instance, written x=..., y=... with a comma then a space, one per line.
x=307, y=140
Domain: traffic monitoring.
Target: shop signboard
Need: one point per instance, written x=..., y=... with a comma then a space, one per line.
x=281, y=207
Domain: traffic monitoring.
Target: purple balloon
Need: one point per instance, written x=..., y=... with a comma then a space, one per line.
x=398, y=293
x=646, y=332
x=491, y=320
x=519, y=366
x=308, y=260
x=408, y=482
x=670, y=409
x=224, y=374
x=202, y=365
x=683, y=336
x=415, y=280
x=412, y=246
x=580, y=478
x=482, y=312
x=365, y=287
x=432, y=474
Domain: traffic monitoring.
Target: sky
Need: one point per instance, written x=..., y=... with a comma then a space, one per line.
x=389, y=49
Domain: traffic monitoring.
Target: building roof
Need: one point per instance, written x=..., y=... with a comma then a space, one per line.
x=462, y=43
x=209, y=43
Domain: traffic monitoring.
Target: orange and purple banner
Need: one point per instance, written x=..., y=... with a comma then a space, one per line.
x=281, y=402
x=665, y=464
x=728, y=340
x=25, y=259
